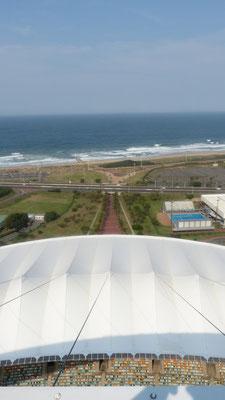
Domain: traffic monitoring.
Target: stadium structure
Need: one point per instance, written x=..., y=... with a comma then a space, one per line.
x=216, y=206
x=111, y=311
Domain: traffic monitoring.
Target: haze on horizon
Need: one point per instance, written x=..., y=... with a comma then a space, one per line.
x=101, y=56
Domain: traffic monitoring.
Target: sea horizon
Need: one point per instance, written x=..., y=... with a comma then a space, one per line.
x=55, y=139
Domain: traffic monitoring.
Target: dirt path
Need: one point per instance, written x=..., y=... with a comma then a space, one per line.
x=110, y=224
x=164, y=219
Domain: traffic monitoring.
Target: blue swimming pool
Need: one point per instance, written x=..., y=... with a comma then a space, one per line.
x=186, y=217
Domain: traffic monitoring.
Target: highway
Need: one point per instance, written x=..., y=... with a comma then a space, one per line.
x=110, y=188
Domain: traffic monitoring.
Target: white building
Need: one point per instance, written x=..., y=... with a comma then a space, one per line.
x=39, y=217
x=216, y=202
x=36, y=217
x=178, y=206
x=154, y=295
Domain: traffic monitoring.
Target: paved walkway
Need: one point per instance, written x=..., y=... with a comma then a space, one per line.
x=110, y=224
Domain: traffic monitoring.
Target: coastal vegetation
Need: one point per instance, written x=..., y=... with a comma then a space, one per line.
x=16, y=221
x=126, y=163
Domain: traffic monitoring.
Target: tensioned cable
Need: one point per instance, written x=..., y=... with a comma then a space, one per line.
x=29, y=291
x=80, y=331
x=199, y=312
x=211, y=280
x=12, y=279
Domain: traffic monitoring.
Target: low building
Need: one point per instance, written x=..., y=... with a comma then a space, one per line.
x=190, y=222
x=177, y=206
x=39, y=217
x=36, y=217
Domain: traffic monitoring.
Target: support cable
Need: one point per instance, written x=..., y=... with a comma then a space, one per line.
x=29, y=291
x=199, y=312
x=80, y=331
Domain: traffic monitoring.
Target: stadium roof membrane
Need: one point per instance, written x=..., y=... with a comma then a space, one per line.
x=157, y=295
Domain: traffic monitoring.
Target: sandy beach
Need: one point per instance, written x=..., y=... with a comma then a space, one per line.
x=78, y=162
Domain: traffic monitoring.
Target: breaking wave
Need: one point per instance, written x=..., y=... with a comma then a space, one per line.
x=16, y=159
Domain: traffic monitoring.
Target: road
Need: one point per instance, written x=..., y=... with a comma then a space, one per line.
x=110, y=188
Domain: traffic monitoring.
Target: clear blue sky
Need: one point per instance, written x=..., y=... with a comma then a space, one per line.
x=94, y=56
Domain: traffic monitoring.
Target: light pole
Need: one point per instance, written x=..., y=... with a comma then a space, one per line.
x=171, y=215
x=218, y=199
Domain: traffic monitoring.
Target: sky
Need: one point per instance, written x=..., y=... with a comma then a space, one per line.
x=111, y=56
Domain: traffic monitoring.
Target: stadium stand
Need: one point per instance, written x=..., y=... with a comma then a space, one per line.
x=168, y=370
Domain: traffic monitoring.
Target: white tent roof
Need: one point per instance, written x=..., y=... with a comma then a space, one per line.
x=54, y=283
x=216, y=202
x=182, y=205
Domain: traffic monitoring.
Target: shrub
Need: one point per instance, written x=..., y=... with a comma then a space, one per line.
x=40, y=232
x=66, y=219
x=23, y=235
x=137, y=227
x=16, y=221
x=82, y=180
x=55, y=190
x=85, y=229
x=155, y=196
x=196, y=184
x=189, y=196
x=4, y=191
x=51, y=216
x=62, y=225
x=98, y=180
x=155, y=221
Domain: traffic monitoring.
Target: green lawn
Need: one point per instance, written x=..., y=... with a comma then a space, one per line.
x=75, y=221
x=75, y=175
x=39, y=202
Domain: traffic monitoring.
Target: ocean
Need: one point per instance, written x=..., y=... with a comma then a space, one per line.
x=61, y=139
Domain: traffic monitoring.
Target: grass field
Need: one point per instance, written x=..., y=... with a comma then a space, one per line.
x=137, y=177
x=39, y=202
x=75, y=221
x=75, y=175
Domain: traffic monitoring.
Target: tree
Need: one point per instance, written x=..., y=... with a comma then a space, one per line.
x=4, y=191
x=51, y=216
x=16, y=221
x=196, y=184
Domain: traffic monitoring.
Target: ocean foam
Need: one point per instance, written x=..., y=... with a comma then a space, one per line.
x=16, y=159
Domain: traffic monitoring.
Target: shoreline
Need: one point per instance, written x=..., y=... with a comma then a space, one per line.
x=79, y=162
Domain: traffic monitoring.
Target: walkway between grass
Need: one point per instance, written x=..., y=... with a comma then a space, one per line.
x=95, y=217
x=110, y=223
x=126, y=216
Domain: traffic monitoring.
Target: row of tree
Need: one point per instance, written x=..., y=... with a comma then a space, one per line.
x=19, y=221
